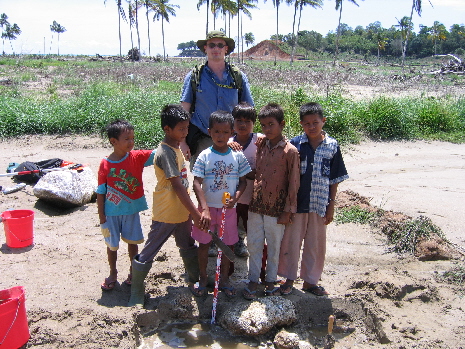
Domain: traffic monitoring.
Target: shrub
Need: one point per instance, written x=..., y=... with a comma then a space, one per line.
x=385, y=119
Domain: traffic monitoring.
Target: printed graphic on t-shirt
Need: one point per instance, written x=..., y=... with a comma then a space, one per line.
x=128, y=183
x=221, y=170
x=183, y=176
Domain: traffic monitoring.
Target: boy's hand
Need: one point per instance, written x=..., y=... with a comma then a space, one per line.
x=235, y=146
x=199, y=222
x=260, y=140
x=329, y=216
x=231, y=202
x=205, y=220
x=285, y=218
x=103, y=219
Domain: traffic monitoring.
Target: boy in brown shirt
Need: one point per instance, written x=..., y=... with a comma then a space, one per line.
x=274, y=198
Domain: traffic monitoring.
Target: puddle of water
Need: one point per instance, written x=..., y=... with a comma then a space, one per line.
x=192, y=335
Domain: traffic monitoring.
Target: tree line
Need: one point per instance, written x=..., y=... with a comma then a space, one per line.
x=378, y=41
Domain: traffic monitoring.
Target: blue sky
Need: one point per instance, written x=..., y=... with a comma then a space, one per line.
x=92, y=26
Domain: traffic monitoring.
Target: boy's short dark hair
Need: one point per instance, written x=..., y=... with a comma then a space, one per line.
x=117, y=127
x=244, y=110
x=310, y=109
x=273, y=110
x=172, y=114
x=220, y=116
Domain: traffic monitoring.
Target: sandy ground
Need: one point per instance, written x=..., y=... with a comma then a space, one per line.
x=380, y=299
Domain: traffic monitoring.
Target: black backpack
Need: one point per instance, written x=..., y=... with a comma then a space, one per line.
x=34, y=177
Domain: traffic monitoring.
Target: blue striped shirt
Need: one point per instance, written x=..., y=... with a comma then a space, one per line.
x=319, y=169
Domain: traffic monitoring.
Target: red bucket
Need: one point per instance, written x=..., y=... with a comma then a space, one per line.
x=19, y=227
x=14, y=330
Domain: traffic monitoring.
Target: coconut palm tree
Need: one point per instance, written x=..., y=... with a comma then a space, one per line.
x=163, y=12
x=381, y=41
x=57, y=28
x=416, y=6
x=136, y=19
x=215, y=8
x=243, y=6
x=300, y=4
x=3, y=23
x=229, y=9
x=122, y=15
x=339, y=7
x=249, y=39
x=437, y=32
x=405, y=27
x=276, y=4
x=131, y=21
x=200, y=3
x=10, y=33
x=149, y=6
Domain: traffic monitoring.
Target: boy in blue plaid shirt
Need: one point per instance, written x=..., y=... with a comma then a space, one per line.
x=321, y=170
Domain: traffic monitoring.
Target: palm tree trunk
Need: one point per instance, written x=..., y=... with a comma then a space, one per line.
x=238, y=30
x=277, y=21
x=119, y=28
x=336, y=52
x=163, y=38
x=242, y=42
x=208, y=9
x=404, y=48
x=293, y=34
x=148, y=27
x=58, y=44
x=137, y=28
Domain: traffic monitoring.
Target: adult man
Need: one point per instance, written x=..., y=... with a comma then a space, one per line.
x=216, y=89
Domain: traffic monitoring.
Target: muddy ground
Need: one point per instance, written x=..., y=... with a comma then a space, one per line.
x=379, y=298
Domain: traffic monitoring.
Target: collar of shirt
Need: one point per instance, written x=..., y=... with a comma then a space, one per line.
x=304, y=138
x=217, y=152
x=281, y=143
x=226, y=77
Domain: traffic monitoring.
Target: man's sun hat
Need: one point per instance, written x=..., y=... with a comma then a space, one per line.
x=217, y=34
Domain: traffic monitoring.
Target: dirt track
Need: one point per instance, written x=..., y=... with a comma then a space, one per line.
x=378, y=297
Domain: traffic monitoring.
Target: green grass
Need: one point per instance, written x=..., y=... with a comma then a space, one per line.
x=406, y=236
x=82, y=96
x=355, y=214
x=455, y=275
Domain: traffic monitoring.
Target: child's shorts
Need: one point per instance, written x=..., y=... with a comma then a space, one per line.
x=126, y=226
x=230, y=235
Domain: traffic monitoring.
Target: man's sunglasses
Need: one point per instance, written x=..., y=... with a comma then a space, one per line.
x=213, y=45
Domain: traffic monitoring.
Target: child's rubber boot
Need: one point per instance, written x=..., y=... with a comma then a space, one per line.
x=191, y=264
x=139, y=272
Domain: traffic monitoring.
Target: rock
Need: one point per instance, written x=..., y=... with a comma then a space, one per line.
x=286, y=340
x=434, y=249
x=258, y=317
x=179, y=306
x=67, y=188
